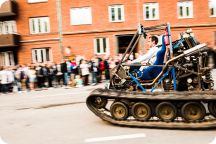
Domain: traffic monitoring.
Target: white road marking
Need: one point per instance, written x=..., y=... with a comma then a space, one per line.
x=110, y=138
x=214, y=141
x=2, y=142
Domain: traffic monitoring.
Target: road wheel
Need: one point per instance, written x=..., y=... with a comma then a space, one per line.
x=193, y=111
x=99, y=102
x=212, y=108
x=119, y=111
x=166, y=111
x=141, y=111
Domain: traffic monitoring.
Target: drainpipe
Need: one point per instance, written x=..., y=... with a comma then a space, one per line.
x=141, y=46
x=59, y=22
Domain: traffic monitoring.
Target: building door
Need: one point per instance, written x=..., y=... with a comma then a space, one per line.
x=123, y=41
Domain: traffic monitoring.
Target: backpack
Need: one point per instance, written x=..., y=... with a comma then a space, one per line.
x=22, y=75
x=101, y=66
x=44, y=72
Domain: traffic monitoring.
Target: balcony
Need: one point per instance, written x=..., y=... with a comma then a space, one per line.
x=9, y=40
x=8, y=8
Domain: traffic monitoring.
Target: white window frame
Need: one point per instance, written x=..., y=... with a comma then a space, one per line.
x=39, y=25
x=7, y=58
x=101, y=45
x=215, y=38
x=212, y=5
x=37, y=1
x=81, y=16
x=185, y=5
x=151, y=7
x=8, y=27
x=116, y=13
x=39, y=55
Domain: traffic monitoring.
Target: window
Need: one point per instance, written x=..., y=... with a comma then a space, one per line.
x=2, y=2
x=151, y=11
x=80, y=16
x=36, y=1
x=185, y=9
x=41, y=55
x=39, y=25
x=101, y=46
x=116, y=13
x=8, y=27
x=212, y=8
x=7, y=59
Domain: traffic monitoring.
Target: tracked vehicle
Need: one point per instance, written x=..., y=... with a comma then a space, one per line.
x=179, y=96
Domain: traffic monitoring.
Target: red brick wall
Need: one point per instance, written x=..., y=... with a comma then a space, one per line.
x=100, y=17
x=29, y=10
x=82, y=44
x=168, y=13
x=26, y=11
x=25, y=51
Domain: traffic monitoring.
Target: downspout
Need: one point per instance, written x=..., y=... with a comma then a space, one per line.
x=59, y=22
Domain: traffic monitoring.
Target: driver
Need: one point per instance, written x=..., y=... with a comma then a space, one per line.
x=155, y=56
x=150, y=57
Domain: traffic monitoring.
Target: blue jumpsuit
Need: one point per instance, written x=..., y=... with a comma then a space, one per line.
x=152, y=72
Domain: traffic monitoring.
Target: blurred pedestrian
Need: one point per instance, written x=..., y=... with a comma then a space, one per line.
x=94, y=70
x=64, y=72
x=107, y=68
x=32, y=77
x=84, y=68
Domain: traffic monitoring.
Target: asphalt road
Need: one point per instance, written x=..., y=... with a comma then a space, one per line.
x=60, y=116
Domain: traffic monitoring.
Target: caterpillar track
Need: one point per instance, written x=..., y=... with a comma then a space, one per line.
x=173, y=110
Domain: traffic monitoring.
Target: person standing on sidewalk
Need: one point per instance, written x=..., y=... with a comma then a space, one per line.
x=3, y=80
x=84, y=68
x=94, y=70
x=65, y=72
x=107, y=68
x=74, y=72
x=32, y=77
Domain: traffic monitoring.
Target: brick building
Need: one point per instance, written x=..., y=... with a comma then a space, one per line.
x=52, y=29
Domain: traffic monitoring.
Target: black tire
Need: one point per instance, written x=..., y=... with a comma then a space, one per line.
x=193, y=111
x=119, y=111
x=166, y=111
x=99, y=102
x=141, y=111
x=212, y=108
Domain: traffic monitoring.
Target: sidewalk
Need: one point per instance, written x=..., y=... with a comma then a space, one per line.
x=45, y=98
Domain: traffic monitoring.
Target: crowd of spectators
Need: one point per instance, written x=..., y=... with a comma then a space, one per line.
x=77, y=72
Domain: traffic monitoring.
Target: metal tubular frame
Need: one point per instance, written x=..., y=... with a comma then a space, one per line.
x=169, y=66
